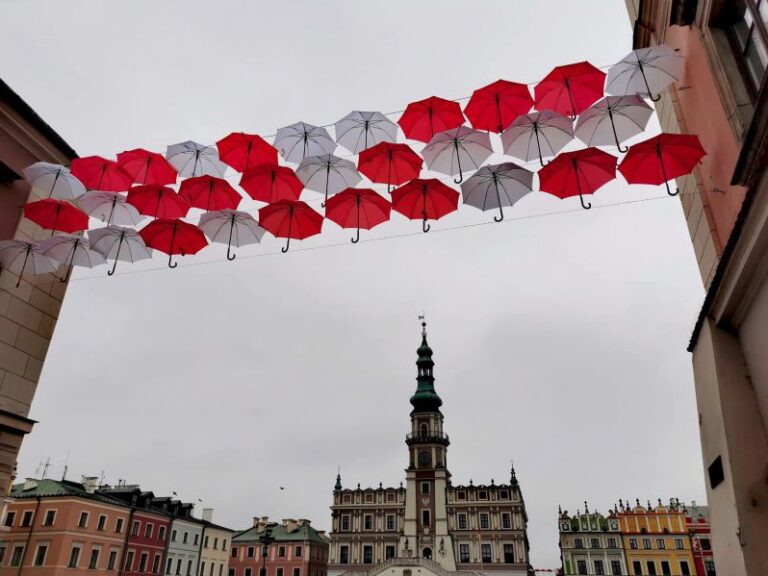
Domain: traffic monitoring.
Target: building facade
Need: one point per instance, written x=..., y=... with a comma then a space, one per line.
x=215, y=547
x=697, y=520
x=591, y=543
x=429, y=523
x=184, y=546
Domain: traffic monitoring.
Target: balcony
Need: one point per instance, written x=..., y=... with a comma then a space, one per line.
x=441, y=439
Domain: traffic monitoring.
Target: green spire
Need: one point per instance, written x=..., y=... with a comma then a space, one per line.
x=425, y=399
x=338, y=480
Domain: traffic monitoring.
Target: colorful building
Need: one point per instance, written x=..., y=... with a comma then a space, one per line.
x=591, y=543
x=215, y=547
x=697, y=520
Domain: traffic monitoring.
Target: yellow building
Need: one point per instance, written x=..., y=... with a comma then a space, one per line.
x=214, y=547
x=656, y=540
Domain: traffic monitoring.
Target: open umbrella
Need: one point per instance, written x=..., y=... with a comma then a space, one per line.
x=661, y=158
x=299, y=140
x=193, y=159
x=209, y=193
x=119, y=243
x=453, y=151
x=425, y=118
x=54, y=215
x=53, y=181
x=577, y=173
x=425, y=199
x=173, y=236
x=645, y=71
x=327, y=174
x=358, y=208
x=20, y=255
x=496, y=106
x=110, y=207
x=232, y=227
x=537, y=134
x=98, y=173
x=360, y=130
x=290, y=219
x=241, y=151
x=158, y=201
x=147, y=167
x=390, y=164
x=270, y=182
x=570, y=89
x=495, y=186
x=613, y=120
x=71, y=251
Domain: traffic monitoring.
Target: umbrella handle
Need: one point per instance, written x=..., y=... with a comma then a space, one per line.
x=285, y=248
x=586, y=206
x=622, y=150
x=538, y=146
x=231, y=257
x=675, y=193
x=171, y=265
x=664, y=173
x=424, y=226
x=71, y=262
x=119, y=245
x=647, y=87
x=500, y=217
x=24, y=265
x=615, y=135
x=458, y=161
x=655, y=98
x=356, y=239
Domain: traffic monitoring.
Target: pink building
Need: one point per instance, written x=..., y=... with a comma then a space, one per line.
x=697, y=520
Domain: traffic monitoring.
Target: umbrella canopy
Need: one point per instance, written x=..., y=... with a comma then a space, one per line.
x=496, y=106
x=297, y=141
x=147, y=167
x=53, y=181
x=231, y=226
x=645, y=71
x=270, y=182
x=158, y=201
x=119, y=243
x=173, y=236
x=71, y=251
x=453, y=151
x=193, y=159
x=425, y=199
x=358, y=130
x=110, y=207
x=358, y=208
x=241, y=151
x=390, y=164
x=425, y=118
x=290, y=219
x=209, y=193
x=98, y=173
x=55, y=215
x=570, y=89
x=613, y=120
x=21, y=256
x=661, y=158
x=577, y=173
x=495, y=186
x=538, y=134
x=327, y=174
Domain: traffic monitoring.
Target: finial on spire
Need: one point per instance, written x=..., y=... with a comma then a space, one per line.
x=338, y=479
x=586, y=508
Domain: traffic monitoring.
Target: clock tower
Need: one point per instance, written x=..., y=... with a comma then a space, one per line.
x=425, y=529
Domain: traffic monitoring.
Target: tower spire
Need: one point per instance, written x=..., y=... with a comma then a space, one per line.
x=425, y=399
x=338, y=479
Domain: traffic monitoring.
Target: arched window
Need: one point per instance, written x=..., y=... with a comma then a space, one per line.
x=423, y=429
x=427, y=553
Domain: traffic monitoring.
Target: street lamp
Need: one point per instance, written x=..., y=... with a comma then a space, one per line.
x=266, y=539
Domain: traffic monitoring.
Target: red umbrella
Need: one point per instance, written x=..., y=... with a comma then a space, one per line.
x=147, y=167
x=661, y=158
x=242, y=151
x=389, y=164
x=496, y=106
x=56, y=215
x=290, y=219
x=209, y=193
x=270, y=182
x=158, y=201
x=425, y=199
x=425, y=118
x=173, y=236
x=578, y=172
x=358, y=208
x=98, y=173
x=570, y=89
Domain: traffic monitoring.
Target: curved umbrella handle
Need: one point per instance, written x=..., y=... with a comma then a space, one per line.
x=229, y=243
x=284, y=249
x=622, y=150
x=675, y=193
x=117, y=254
x=230, y=257
x=500, y=217
x=460, y=180
x=458, y=161
x=655, y=98
x=170, y=250
x=24, y=265
x=356, y=239
x=586, y=206
x=171, y=265
x=424, y=226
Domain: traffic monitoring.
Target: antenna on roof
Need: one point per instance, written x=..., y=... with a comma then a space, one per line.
x=37, y=470
x=101, y=478
x=45, y=468
x=66, y=467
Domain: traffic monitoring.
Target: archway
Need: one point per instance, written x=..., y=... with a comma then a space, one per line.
x=427, y=553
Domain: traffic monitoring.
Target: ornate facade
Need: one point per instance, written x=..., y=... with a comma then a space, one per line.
x=591, y=543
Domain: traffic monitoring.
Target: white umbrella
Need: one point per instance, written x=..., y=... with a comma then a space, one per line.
x=453, y=151
x=21, y=255
x=495, y=186
x=110, y=207
x=119, y=243
x=193, y=159
x=537, y=134
x=613, y=120
x=297, y=141
x=231, y=226
x=358, y=130
x=644, y=71
x=327, y=174
x=71, y=251
x=53, y=181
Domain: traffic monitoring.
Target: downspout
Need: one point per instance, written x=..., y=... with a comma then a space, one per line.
x=200, y=551
x=29, y=536
x=125, y=542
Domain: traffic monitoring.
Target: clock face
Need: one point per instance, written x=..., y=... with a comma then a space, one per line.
x=425, y=458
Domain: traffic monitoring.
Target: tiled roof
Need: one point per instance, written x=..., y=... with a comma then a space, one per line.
x=48, y=488
x=280, y=534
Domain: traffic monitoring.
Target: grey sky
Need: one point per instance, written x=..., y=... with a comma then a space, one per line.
x=559, y=340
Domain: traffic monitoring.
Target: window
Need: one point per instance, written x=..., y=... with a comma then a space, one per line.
x=646, y=543
x=660, y=544
x=345, y=522
x=685, y=571
x=205, y=542
x=579, y=543
x=233, y=554
x=709, y=567
x=367, y=554
x=616, y=567
x=202, y=568
x=425, y=487
x=112, y=560
x=461, y=495
x=143, y=562
x=135, y=528
x=100, y=525
x=156, y=564
x=581, y=566
x=633, y=543
x=2, y=554
x=599, y=569
x=247, y=572
x=509, y=554
x=343, y=554
x=215, y=543
x=369, y=497
x=93, y=561
x=74, y=557
x=665, y=569
x=297, y=572
x=83, y=521
x=485, y=522
x=119, y=526
x=161, y=533
x=651, y=568
x=715, y=472
x=594, y=543
x=611, y=542
x=169, y=566
x=185, y=538
x=390, y=521
x=464, y=553
x=506, y=520
x=18, y=552
x=232, y=572
x=485, y=553
x=503, y=494
x=210, y=572
x=389, y=552
x=250, y=551
x=189, y=567
x=221, y=569
x=706, y=544
x=148, y=531
x=281, y=552
x=482, y=495
x=297, y=552
x=368, y=522
x=178, y=566
x=173, y=535
x=425, y=518
x=9, y=518
x=637, y=567
x=747, y=32
x=26, y=519
x=40, y=553
x=279, y=572
x=462, y=521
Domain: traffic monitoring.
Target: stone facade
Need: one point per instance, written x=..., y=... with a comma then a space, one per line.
x=591, y=543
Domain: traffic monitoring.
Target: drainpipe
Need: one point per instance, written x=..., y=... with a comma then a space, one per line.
x=200, y=551
x=125, y=542
x=29, y=536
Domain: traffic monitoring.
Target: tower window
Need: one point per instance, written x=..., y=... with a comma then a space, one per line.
x=423, y=429
x=425, y=487
x=425, y=518
x=345, y=522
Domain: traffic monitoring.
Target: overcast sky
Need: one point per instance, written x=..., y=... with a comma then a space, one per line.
x=559, y=339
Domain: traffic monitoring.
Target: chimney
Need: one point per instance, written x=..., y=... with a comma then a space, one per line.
x=208, y=514
x=90, y=483
x=30, y=484
x=304, y=522
x=290, y=525
x=260, y=523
